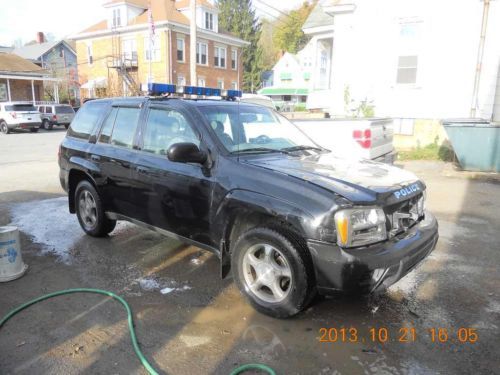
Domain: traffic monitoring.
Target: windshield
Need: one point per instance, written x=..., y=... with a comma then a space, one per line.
x=64, y=109
x=246, y=128
x=21, y=108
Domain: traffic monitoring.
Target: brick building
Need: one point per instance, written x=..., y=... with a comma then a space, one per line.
x=115, y=56
x=21, y=80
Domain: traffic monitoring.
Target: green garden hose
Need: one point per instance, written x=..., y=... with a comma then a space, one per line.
x=130, y=320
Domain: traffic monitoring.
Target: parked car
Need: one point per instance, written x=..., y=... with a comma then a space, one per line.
x=358, y=138
x=56, y=114
x=19, y=115
x=285, y=215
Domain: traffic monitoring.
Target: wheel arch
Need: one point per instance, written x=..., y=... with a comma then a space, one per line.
x=74, y=178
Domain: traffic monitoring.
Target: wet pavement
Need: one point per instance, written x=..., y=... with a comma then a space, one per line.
x=188, y=321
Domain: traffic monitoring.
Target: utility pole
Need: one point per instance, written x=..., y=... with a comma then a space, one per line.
x=480, y=54
x=192, y=43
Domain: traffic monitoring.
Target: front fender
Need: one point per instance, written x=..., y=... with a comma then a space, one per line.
x=238, y=204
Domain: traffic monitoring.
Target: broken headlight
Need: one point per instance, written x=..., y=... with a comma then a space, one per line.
x=360, y=226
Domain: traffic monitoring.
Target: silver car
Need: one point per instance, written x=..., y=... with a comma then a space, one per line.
x=56, y=114
x=19, y=115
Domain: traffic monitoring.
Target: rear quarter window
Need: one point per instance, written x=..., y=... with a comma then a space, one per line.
x=64, y=109
x=86, y=119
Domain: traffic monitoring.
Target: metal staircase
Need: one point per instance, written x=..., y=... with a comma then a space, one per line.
x=126, y=66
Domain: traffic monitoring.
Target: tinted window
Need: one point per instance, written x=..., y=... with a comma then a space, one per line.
x=107, y=128
x=48, y=109
x=64, y=109
x=20, y=107
x=86, y=119
x=125, y=126
x=164, y=128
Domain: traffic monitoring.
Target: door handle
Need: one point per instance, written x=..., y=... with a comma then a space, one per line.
x=142, y=169
x=95, y=157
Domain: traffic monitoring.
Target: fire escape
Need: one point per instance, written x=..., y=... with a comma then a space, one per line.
x=126, y=65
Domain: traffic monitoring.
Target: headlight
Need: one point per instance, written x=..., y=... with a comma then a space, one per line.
x=360, y=226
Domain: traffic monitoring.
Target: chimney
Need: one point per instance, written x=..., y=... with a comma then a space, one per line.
x=40, y=38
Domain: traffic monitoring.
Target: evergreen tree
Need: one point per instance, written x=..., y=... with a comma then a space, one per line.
x=289, y=35
x=238, y=17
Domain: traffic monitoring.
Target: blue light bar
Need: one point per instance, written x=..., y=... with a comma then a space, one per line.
x=160, y=88
x=167, y=88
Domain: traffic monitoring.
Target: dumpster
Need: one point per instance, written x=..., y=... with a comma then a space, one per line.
x=476, y=143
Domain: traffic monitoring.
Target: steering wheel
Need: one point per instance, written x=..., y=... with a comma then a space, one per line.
x=262, y=139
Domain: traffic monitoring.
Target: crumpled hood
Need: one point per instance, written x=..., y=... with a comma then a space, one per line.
x=356, y=180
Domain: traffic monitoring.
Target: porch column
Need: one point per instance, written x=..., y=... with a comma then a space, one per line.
x=33, y=91
x=8, y=90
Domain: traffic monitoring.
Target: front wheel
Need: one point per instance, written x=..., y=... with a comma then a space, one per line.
x=90, y=212
x=4, y=127
x=273, y=271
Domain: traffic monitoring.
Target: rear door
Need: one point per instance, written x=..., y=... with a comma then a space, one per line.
x=25, y=113
x=115, y=154
x=64, y=114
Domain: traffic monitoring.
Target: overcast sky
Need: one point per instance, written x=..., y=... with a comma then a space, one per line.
x=21, y=19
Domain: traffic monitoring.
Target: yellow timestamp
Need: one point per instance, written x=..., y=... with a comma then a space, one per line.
x=403, y=335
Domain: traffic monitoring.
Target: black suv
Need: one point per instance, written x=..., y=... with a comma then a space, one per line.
x=286, y=216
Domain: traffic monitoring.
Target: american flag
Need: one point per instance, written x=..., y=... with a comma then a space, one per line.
x=151, y=23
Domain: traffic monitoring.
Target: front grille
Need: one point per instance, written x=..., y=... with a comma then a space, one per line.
x=402, y=216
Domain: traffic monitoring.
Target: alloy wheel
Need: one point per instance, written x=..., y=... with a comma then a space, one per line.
x=267, y=273
x=88, y=209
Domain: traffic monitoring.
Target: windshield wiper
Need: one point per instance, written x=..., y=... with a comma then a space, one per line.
x=260, y=149
x=302, y=148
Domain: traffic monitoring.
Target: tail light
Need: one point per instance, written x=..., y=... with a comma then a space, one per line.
x=363, y=137
x=13, y=114
x=54, y=118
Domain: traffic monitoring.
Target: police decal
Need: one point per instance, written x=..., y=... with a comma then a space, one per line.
x=407, y=191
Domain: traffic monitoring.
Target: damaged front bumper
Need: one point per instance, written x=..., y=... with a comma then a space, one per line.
x=373, y=267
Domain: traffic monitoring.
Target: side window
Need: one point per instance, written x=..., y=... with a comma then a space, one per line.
x=48, y=109
x=164, y=128
x=125, y=126
x=86, y=118
x=107, y=127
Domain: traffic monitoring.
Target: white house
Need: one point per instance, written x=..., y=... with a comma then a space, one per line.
x=291, y=79
x=413, y=59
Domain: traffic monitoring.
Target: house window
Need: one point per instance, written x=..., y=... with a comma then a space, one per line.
x=234, y=85
x=90, y=58
x=407, y=70
x=180, y=49
x=154, y=43
x=201, y=53
x=220, y=57
x=201, y=82
x=117, y=20
x=220, y=83
x=209, y=21
x=181, y=80
x=234, y=59
x=408, y=51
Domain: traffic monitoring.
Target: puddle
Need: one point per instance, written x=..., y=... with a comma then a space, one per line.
x=49, y=223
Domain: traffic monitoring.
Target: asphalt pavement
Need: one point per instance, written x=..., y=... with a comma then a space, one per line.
x=442, y=318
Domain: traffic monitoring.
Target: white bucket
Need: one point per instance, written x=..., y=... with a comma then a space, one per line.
x=11, y=261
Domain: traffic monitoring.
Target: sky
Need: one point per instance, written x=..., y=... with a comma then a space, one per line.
x=22, y=19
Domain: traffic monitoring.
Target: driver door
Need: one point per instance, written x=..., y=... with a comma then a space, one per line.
x=170, y=195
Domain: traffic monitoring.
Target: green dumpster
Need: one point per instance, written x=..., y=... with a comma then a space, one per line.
x=476, y=144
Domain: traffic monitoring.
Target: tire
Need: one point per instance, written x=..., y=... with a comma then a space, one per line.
x=288, y=295
x=4, y=128
x=34, y=130
x=66, y=126
x=100, y=226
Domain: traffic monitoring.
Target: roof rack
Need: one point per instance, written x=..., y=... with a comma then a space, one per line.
x=167, y=89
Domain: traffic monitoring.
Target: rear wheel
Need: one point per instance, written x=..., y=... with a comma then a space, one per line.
x=4, y=128
x=90, y=212
x=273, y=271
x=66, y=126
x=46, y=125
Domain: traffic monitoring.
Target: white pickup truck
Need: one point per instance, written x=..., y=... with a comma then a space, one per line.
x=357, y=138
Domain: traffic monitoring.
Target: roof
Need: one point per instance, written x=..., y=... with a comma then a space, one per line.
x=14, y=64
x=138, y=3
x=35, y=51
x=163, y=10
x=318, y=16
x=283, y=91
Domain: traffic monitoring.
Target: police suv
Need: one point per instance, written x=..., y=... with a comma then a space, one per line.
x=285, y=216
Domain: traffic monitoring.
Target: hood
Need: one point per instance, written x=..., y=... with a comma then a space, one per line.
x=360, y=181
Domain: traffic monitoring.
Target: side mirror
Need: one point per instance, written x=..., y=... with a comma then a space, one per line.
x=186, y=153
